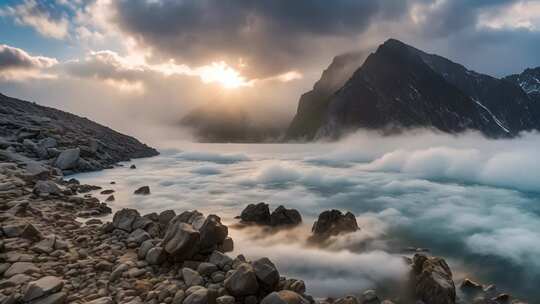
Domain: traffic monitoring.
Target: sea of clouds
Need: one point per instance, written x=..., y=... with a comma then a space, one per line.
x=472, y=200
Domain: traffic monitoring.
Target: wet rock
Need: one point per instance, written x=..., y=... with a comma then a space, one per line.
x=471, y=287
x=285, y=217
x=192, y=277
x=68, y=159
x=266, y=272
x=133, y=167
x=212, y=233
x=46, y=245
x=108, y=191
x=370, y=297
x=200, y=296
x=23, y=230
x=432, y=279
x=259, y=214
x=333, y=222
x=138, y=236
x=155, y=256
x=206, y=269
x=42, y=287
x=242, y=282
x=284, y=297
x=125, y=218
x=144, y=190
x=220, y=259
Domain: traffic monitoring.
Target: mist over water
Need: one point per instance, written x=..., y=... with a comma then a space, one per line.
x=474, y=201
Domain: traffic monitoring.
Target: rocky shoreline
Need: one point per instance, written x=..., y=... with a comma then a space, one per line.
x=55, y=249
x=49, y=256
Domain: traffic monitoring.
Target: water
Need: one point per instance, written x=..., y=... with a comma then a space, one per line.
x=487, y=229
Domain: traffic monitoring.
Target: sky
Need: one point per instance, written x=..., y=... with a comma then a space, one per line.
x=152, y=61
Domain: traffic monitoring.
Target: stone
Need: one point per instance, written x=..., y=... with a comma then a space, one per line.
x=23, y=230
x=225, y=300
x=47, y=187
x=471, y=287
x=144, y=190
x=284, y=297
x=333, y=222
x=266, y=273
x=206, y=269
x=227, y=245
x=110, y=198
x=199, y=296
x=125, y=218
x=68, y=159
x=55, y=298
x=21, y=267
x=259, y=214
x=348, y=300
x=46, y=245
x=138, y=236
x=432, y=279
x=191, y=277
x=103, y=300
x=220, y=259
x=165, y=217
x=285, y=217
x=179, y=297
x=144, y=248
x=212, y=233
x=42, y=287
x=133, y=167
x=16, y=280
x=180, y=240
x=156, y=256
x=370, y=297
x=242, y=281
x=108, y=191
x=48, y=143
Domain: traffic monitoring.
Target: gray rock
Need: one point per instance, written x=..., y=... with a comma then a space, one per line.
x=47, y=143
x=347, y=300
x=42, y=287
x=103, y=300
x=125, y=218
x=206, y=269
x=284, y=297
x=144, y=248
x=68, y=159
x=370, y=297
x=144, y=190
x=179, y=297
x=56, y=298
x=285, y=217
x=21, y=267
x=192, y=277
x=48, y=187
x=266, y=272
x=180, y=240
x=138, y=236
x=46, y=245
x=333, y=222
x=259, y=214
x=155, y=256
x=225, y=300
x=165, y=217
x=212, y=233
x=242, y=281
x=23, y=230
x=432, y=279
x=199, y=296
x=220, y=259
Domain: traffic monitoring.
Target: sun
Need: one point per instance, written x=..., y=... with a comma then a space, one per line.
x=223, y=74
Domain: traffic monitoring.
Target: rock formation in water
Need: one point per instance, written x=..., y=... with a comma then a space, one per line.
x=400, y=87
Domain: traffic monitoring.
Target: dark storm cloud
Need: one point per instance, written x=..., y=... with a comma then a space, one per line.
x=270, y=36
x=278, y=35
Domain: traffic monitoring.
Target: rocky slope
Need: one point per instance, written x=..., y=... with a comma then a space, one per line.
x=400, y=87
x=68, y=142
x=529, y=81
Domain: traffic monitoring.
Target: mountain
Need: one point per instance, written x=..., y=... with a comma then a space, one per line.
x=399, y=87
x=313, y=104
x=529, y=81
x=222, y=123
x=30, y=132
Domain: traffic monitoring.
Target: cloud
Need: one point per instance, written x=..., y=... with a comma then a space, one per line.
x=41, y=17
x=17, y=64
x=212, y=157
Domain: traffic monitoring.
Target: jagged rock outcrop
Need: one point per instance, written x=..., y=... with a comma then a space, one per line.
x=432, y=280
x=30, y=132
x=334, y=222
x=260, y=214
x=400, y=87
x=529, y=81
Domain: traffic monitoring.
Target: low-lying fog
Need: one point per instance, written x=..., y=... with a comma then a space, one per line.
x=472, y=200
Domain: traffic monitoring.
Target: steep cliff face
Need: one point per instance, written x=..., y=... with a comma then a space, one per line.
x=401, y=87
x=314, y=104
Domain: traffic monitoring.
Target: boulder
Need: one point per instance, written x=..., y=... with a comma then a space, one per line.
x=68, y=159
x=42, y=287
x=23, y=230
x=259, y=214
x=46, y=245
x=266, y=273
x=180, y=240
x=138, y=236
x=471, y=287
x=47, y=143
x=212, y=233
x=285, y=217
x=200, y=296
x=333, y=222
x=165, y=217
x=125, y=218
x=242, y=281
x=284, y=297
x=21, y=268
x=432, y=280
x=46, y=187
x=206, y=269
x=220, y=259
x=155, y=256
x=191, y=277
x=144, y=190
